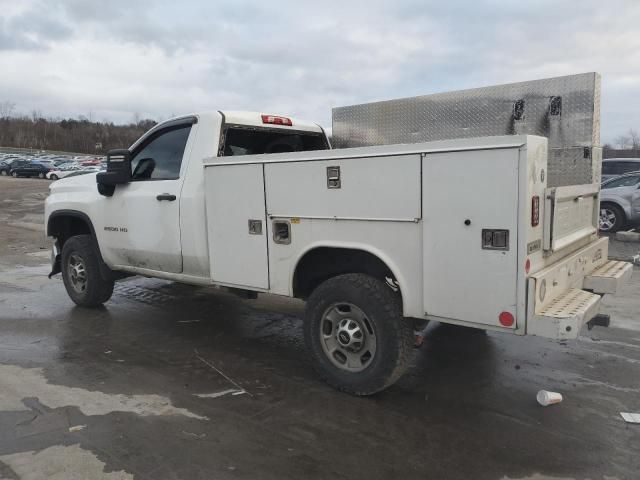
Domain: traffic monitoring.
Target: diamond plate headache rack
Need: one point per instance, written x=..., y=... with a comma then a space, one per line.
x=566, y=110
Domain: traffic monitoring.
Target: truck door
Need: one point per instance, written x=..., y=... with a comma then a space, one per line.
x=142, y=218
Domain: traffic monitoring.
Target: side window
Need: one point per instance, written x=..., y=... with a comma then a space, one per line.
x=607, y=168
x=630, y=166
x=618, y=168
x=622, y=182
x=160, y=156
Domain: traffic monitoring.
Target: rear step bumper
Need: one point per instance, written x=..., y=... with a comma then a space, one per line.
x=577, y=289
x=609, y=277
x=563, y=318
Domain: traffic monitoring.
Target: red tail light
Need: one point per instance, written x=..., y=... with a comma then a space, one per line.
x=535, y=210
x=275, y=120
x=506, y=319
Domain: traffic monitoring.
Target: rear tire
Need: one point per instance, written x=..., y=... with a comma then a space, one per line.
x=359, y=341
x=81, y=272
x=53, y=177
x=612, y=218
x=41, y=175
x=14, y=174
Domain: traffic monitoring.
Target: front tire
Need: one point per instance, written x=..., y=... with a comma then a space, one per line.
x=358, y=339
x=4, y=173
x=81, y=272
x=53, y=177
x=612, y=218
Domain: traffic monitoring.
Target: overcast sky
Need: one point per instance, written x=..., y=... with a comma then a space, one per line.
x=113, y=58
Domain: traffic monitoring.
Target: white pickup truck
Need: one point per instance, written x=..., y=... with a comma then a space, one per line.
x=461, y=231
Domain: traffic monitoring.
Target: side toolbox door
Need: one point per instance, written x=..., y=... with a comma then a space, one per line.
x=470, y=237
x=236, y=225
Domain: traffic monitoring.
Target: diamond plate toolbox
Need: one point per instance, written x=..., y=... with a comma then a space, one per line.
x=566, y=110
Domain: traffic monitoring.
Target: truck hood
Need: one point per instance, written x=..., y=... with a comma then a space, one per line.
x=80, y=183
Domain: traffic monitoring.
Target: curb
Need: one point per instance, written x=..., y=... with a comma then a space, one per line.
x=629, y=236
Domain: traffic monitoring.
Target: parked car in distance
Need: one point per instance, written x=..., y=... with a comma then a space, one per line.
x=612, y=167
x=72, y=172
x=5, y=167
x=44, y=161
x=82, y=172
x=62, y=171
x=620, y=202
x=90, y=162
x=27, y=168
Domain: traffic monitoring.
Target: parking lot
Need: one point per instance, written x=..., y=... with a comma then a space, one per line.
x=169, y=381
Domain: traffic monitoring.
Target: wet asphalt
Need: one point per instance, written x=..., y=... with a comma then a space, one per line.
x=175, y=382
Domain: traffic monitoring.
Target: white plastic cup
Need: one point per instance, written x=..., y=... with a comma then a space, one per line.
x=546, y=398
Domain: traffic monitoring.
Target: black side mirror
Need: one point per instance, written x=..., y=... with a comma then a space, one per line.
x=118, y=171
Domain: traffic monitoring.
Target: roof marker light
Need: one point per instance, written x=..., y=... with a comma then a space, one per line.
x=275, y=120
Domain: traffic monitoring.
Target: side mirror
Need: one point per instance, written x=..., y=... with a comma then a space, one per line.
x=118, y=171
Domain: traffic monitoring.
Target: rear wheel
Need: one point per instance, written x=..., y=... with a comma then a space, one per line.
x=81, y=272
x=358, y=339
x=41, y=175
x=14, y=174
x=54, y=177
x=612, y=218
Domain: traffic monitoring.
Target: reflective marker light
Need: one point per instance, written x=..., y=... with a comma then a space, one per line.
x=506, y=319
x=535, y=210
x=527, y=266
x=275, y=120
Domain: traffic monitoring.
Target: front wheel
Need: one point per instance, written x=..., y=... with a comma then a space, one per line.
x=358, y=339
x=4, y=173
x=53, y=177
x=611, y=218
x=81, y=272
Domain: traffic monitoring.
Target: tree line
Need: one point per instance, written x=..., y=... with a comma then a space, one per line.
x=80, y=135
x=627, y=141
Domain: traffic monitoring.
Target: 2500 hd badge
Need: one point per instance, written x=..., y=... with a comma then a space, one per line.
x=115, y=229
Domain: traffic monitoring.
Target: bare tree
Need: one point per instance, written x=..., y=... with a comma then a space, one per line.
x=634, y=139
x=621, y=142
x=6, y=109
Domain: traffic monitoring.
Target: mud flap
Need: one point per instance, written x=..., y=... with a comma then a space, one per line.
x=56, y=266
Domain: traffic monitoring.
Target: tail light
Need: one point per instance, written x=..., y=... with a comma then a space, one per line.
x=275, y=120
x=506, y=319
x=535, y=210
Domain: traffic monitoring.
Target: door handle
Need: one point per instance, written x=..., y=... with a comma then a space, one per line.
x=166, y=196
